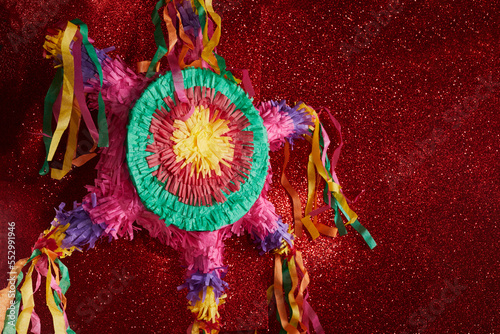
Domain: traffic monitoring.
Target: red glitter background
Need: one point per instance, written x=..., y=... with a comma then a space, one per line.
x=431, y=176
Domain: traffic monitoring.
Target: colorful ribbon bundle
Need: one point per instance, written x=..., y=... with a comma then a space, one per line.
x=70, y=231
x=185, y=155
x=68, y=46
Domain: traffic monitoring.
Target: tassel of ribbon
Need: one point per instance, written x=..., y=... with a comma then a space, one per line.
x=8, y=295
x=190, y=44
x=45, y=261
x=319, y=165
x=66, y=100
x=290, y=292
x=12, y=316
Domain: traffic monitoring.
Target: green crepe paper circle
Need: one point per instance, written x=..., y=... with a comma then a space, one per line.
x=152, y=192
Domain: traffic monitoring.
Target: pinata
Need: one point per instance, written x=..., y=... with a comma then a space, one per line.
x=184, y=154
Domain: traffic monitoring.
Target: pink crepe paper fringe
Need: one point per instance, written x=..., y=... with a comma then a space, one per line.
x=117, y=204
x=194, y=190
x=278, y=123
x=261, y=219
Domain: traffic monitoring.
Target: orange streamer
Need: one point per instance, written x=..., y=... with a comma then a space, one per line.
x=296, y=204
x=280, y=299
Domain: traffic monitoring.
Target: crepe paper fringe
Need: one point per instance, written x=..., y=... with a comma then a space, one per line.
x=283, y=122
x=302, y=120
x=207, y=309
x=203, y=251
x=152, y=192
x=203, y=142
x=117, y=204
x=65, y=98
x=82, y=231
x=178, y=175
x=259, y=221
x=89, y=70
x=275, y=240
x=197, y=283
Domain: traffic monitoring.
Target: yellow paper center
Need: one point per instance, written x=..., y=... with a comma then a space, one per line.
x=201, y=142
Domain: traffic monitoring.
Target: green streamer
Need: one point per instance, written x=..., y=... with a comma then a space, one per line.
x=101, y=116
x=48, y=105
x=159, y=39
x=365, y=234
x=222, y=66
x=201, y=15
x=287, y=287
x=10, y=324
x=334, y=205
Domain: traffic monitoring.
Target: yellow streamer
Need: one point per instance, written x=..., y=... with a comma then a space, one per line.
x=295, y=319
x=70, y=153
x=57, y=315
x=28, y=300
x=311, y=184
x=313, y=230
x=296, y=204
x=280, y=299
x=68, y=88
x=207, y=53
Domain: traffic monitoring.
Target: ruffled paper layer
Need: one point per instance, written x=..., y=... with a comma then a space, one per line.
x=82, y=232
x=89, y=70
x=151, y=190
x=197, y=284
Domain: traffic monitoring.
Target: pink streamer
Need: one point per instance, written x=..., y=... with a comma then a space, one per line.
x=310, y=315
x=82, y=103
x=247, y=82
x=35, y=319
x=326, y=140
x=335, y=158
